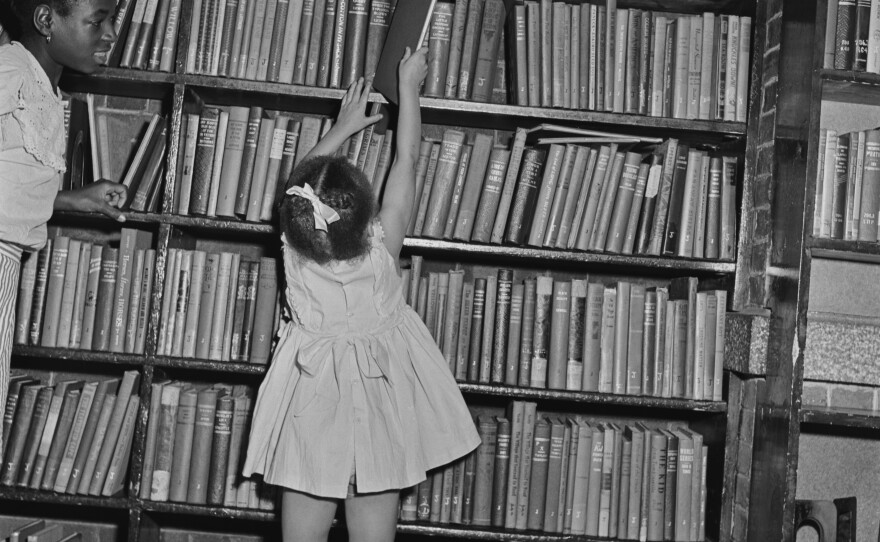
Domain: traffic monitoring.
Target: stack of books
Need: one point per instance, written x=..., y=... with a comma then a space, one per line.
x=600, y=57
x=615, y=195
x=71, y=436
x=572, y=475
x=218, y=306
x=195, y=447
x=622, y=338
x=80, y=294
x=847, y=186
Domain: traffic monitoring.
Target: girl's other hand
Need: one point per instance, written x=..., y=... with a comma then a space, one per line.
x=413, y=68
x=99, y=197
x=352, y=116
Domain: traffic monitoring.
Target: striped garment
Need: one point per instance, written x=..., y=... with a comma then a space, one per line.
x=10, y=261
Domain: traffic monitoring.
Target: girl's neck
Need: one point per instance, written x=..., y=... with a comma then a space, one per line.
x=37, y=46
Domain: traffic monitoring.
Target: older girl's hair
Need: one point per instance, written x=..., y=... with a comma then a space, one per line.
x=17, y=16
x=346, y=190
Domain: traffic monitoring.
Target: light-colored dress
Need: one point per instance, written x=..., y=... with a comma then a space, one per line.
x=356, y=380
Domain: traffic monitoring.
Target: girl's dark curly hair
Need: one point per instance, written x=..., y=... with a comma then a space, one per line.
x=16, y=16
x=346, y=190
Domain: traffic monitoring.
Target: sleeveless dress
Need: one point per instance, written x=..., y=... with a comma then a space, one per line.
x=357, y=384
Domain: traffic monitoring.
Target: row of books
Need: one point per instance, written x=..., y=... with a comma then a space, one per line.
x=597, y=56
x=328, y=43
x=853, y=35
x=234, y=159
x=674, y=200
x=622, y=338
x=572, y=474
x=196, y=439
x=847, y=186
x=147, y=34
x=69, y=436
x=80, y=294
x=218, y=306
x=39, y=531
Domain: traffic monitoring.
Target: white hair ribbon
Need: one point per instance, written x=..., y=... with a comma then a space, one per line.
x=324, y=214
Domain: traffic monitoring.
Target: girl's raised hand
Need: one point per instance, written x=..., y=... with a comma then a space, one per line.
x=413, y=68
x=352, y=116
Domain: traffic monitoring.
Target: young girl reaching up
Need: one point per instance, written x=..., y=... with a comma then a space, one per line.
x=52, y=35
x=358, y=402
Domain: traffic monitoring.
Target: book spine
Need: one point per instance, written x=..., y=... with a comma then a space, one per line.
x=469, y=48
x=477, y=316
x=487, y=50
x=501, y=324
x=339, y=31
x=456, y=42
x=485, y=467
x=490, y=199
x=538, y=481
x=439, y=45
x=380, y=19
x=542, y=329
x=558, y=345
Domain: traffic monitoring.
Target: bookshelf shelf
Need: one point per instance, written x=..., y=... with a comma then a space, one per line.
x=210, y=511
x=840, y=418
x=70, y=354
x=582, y=397
x=490, y=533
x=427, y=246
x=191, y=364
x=48, y=497
x=836, y=249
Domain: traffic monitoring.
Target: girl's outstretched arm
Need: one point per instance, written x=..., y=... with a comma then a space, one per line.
x=397, y=204
x=352, y=119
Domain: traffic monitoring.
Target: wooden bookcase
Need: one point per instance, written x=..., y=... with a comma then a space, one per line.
x=139, y=519
x=806, y=87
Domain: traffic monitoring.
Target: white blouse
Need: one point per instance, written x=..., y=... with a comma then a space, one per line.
x=32, y=142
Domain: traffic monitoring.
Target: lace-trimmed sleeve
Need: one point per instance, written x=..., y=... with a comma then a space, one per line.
x=378, y=233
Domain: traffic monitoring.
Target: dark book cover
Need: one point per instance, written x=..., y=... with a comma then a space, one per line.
x=380, y=20
x=128, y=388
x=614, y=241
x=440, y=197
x=469, y=48
x=105, y=301
x=40, y=287
x=629, y=239
x=477, y=314
x=713, y=210
x=183, y=445
x=320, y=43
x=538, y=479
x=220, y=449
x=514, y=335
x=838, y=212
x=577, y=320
x=409, y=25
x=519, y=223
x=649, y=203
x=844, y=35
x=494, y=15
x=158, y=38
x=423, y=512
x=238, y=300
x=634, y=352
x=248, y=160
x=470, y=476
x=356, y=32
x=518, y=57
x=675, y=201
x=502, y=324
x=500, y=475
x=16, y=382
x=247, y=330
x=302, y=50
x=264, y=310
x=204, y=160
x=438, y=49
x=114, y=481
x=200, y=465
